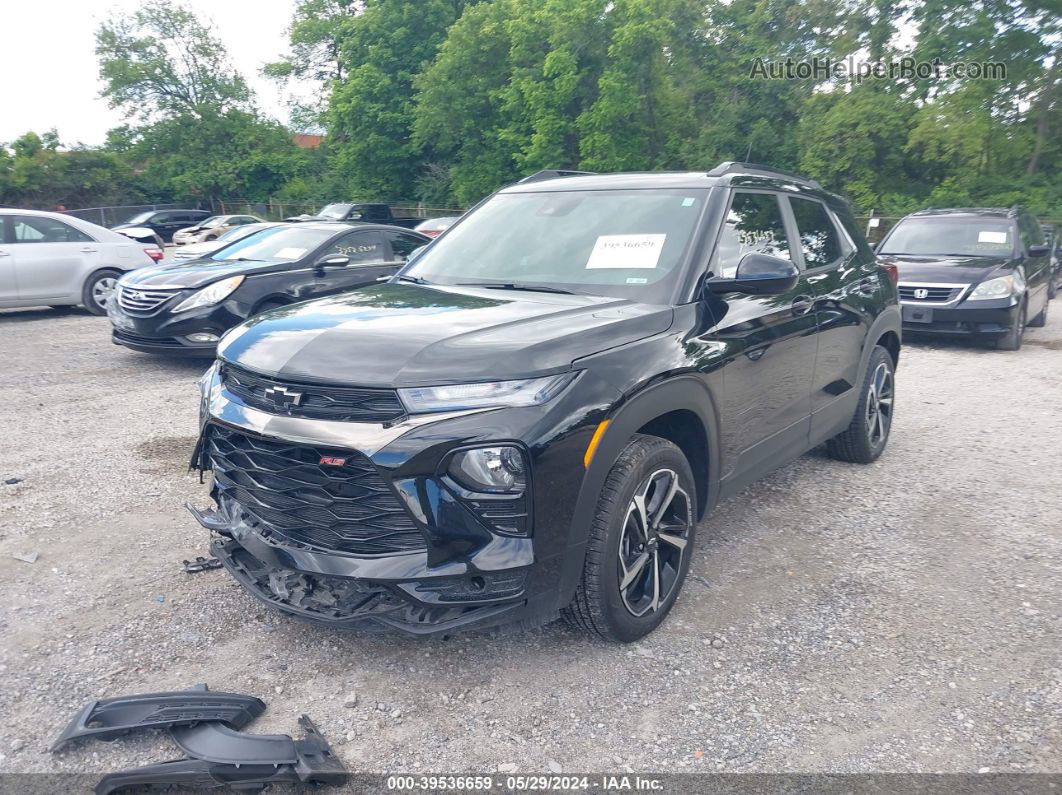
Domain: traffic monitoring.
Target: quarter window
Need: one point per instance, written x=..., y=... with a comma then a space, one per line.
x=753, y=225
x=819, y=239
x=34, y=229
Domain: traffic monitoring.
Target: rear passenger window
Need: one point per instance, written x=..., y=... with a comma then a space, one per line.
x=819, y=239
x=361, y=247
x=753, y=225
x=404, y=245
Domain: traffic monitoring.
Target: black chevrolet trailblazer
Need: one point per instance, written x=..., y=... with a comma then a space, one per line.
x=533, y=416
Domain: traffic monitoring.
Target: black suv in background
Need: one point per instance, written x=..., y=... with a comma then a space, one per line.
x=969, y=272
x=164, y=222
x=534, y=415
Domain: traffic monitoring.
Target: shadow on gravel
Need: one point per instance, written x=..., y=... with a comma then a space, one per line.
x=912, y=339
x=41, y=313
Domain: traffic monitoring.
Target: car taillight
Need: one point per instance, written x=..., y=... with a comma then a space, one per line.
x=155, y=253
x=431, y=232
x=892, y=271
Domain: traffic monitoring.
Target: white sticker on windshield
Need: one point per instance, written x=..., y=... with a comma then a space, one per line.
x=992, y=237
x=290, y=253
x=688, y=202
x=626, y=251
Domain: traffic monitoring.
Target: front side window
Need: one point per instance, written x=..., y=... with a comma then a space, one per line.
x=753, y=225
x=941, y=236
x=277, y=244
x=819, y=239
x=35, y=229
x=403, y=245
x=361, y=247
x=624, y=243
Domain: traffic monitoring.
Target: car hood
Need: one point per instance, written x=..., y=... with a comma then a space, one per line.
x=192, y=273
x=947, y=270
x=399, y=334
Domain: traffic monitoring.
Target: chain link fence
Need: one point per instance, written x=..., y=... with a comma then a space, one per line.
x=278, y=211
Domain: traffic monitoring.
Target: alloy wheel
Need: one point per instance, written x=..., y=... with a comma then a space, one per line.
x=102, y=291
x=655, y=536
x=879, y=405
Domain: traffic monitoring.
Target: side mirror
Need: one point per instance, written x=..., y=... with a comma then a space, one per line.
x=758, y=274
x=333, y=261
x=1039, y=251
x=416, y=253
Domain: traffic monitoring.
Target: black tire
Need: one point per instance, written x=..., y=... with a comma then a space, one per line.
x=97, y=290
x=645, y=468
x=866, y=436
x=1012, y=340
x=1041, y=319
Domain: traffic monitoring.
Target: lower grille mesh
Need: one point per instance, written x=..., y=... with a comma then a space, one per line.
x=284, y=487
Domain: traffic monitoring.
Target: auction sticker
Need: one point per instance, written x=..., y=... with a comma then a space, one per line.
x=626, y=251
x=992, y=237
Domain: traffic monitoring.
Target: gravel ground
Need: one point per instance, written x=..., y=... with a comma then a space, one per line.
x=903, y=616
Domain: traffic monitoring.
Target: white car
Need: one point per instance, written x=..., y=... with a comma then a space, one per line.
x=212, y=228
x=52, y=259
x=197, y=250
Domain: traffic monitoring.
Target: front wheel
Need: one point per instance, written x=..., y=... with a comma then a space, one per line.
x=1041, y=319
x=1012, y=340
x=98, y=291
x=640, y=543
x=866, y=436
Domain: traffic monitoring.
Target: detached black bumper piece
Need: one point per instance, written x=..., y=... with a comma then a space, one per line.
x=278, y=759
x=112, y=717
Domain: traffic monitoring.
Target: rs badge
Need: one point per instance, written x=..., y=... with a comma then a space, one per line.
x=331, y=461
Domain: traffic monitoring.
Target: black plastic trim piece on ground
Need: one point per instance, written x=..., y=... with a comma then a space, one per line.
x=108, y=718
x=312, y=761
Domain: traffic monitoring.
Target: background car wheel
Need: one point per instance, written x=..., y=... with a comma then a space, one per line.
x=1013, y=338
x=98, y=290
x=640, y=543
x=1041, y=319
x=866, y=436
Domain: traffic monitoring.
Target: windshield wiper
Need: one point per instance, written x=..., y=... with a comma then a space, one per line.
x=531, y=288
x=413, y=279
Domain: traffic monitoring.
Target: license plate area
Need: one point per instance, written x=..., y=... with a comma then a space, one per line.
x=917, y=314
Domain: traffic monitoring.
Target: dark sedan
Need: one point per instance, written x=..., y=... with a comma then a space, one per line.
x=184, y=308
x=971, y=272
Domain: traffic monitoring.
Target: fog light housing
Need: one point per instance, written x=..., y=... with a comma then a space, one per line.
x=202, y=337
x=492, y=470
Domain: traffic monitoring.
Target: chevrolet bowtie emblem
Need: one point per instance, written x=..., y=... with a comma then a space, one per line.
x=282, y=398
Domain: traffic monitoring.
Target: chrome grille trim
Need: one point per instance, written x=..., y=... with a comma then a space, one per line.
x=135, y=301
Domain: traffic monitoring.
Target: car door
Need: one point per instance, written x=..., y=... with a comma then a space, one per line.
x=848, y=292
x=770, y=339
x=8, y=285
x=52, y=258
x=370, y=260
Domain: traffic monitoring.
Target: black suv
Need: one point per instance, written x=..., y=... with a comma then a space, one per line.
x=534, y=415
x=164, y=222
x=972, y=272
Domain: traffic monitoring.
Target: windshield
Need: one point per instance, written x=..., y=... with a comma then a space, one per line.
x=942, y=236
x=283, y=243
x=335, y=211
x=139, y=218
x=212, y=221
x=624, y=243
x=239, y=231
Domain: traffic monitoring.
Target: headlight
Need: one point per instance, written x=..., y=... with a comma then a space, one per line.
x=526, y=392
x=211, y=294
x=500, y=469
x=1001, y=287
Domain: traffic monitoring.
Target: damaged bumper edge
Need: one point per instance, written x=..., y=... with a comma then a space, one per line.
x=109, y=718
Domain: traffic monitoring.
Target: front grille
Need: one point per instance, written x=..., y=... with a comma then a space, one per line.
x=313, y=401
x=934, y=295
x=135, y=339
x=284, y=488
x=143, y=301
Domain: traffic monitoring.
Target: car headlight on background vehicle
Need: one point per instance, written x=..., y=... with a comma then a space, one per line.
x=500, y=469
x=1000, y=287
x=494, y=394
x=211, y=294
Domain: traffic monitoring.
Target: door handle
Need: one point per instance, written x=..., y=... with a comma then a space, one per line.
x=88, y=250
x=4, y=254
x=801, y=305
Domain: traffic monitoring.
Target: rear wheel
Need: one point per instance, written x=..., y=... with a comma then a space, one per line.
x=98, y=290
x=1012, y=340
x=868, y=433
x=640, y=543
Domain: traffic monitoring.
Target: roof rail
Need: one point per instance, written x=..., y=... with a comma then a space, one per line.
x=730, y=166
x=554, y=173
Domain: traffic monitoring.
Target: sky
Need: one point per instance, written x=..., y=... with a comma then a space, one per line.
x=50, y=75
